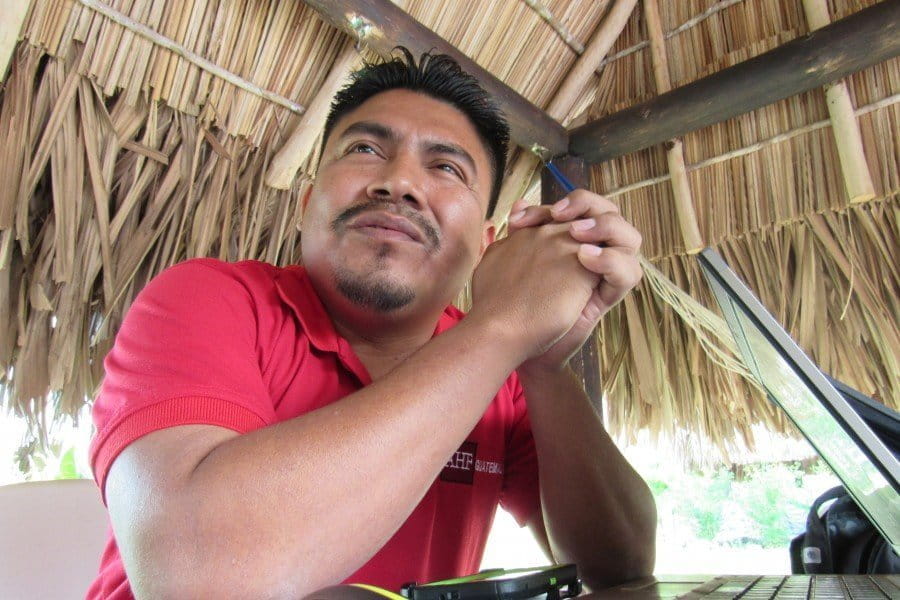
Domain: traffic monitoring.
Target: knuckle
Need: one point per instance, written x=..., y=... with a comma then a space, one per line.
x=544, y=233
x=636, y=275
x=606, y=226
x=613, y=219
x=592, y=201
x=588, y=199
x=609, y=221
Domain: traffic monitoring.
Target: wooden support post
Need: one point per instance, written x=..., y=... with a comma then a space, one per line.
x=580, y=75
x=299, y=146
x=684, y=201
x=380, y=26
x=14, y=13
x=516, y=184
x=844, y=126
x=861, y=40
x=586, y=362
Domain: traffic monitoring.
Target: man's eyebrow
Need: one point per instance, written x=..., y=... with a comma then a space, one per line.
x=452, y=150
x=383, y=132
x=376, y=130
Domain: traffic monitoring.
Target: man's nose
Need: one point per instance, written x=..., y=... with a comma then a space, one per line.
x=400, y=180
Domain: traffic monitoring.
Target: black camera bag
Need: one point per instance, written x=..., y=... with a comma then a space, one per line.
x=842, y=540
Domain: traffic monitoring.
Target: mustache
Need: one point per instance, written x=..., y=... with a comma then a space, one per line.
x=429, y=231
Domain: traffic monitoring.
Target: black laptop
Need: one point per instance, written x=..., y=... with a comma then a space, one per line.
x=868, y=469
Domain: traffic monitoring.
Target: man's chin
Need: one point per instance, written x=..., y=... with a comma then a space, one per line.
x=377, y=293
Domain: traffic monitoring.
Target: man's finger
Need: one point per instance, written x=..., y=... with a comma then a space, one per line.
x=607, y=229
x=531, y=216
x=619, y=270
x=520, y=204
x=581, y=204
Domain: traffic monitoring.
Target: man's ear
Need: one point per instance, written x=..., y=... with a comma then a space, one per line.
x=304, y=199
x=488, y=234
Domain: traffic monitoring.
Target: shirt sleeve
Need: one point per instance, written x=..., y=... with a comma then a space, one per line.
x=186, y=353
x=521, y=491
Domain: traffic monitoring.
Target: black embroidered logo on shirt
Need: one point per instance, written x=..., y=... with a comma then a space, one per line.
x=461, y=466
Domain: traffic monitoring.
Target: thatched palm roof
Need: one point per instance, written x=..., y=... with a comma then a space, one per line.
x=138, y=133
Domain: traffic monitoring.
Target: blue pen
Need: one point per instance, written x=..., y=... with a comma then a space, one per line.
x=567, y=185
x=542, y=153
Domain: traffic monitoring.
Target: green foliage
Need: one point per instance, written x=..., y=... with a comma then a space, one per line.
x=705, y=497
x=37, y=462
x=772, y=496
x=67, y=467
x=766, y=507
x=657, y=486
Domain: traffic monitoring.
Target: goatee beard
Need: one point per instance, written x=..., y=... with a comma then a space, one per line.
x=372, y=292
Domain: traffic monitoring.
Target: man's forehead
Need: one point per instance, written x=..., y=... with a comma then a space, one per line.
x=406, y=112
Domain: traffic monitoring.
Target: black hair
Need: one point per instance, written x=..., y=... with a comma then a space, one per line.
x=438, y=76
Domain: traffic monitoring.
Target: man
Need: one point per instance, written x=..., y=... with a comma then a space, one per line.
x=266, y=432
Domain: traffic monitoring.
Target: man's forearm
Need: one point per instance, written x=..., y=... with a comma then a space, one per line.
x=304, y=503
x=598, y=511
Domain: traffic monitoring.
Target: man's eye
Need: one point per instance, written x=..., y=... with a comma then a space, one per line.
x=449, y=168
x=362, y=148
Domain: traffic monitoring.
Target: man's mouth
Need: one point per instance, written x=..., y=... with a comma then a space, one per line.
x=388, y=226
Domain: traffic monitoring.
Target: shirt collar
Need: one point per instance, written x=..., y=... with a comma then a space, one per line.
x=297, y=291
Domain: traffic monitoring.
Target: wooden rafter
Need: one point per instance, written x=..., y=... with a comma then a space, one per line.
x=854, y=168
x=861, y=40
x=381, y=26
x=681, y=189
x=561, y=106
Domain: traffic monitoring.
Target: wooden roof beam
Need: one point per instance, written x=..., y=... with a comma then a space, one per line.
x=381, y=26
x=858, y=41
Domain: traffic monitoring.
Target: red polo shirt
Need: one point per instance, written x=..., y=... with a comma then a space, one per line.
x=247, y=345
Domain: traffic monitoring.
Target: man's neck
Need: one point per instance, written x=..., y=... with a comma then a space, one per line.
x=382, y=342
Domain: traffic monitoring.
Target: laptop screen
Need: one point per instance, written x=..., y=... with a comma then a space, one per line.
x=792, y=381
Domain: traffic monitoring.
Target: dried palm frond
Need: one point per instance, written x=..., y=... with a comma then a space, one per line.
x=128, y=148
